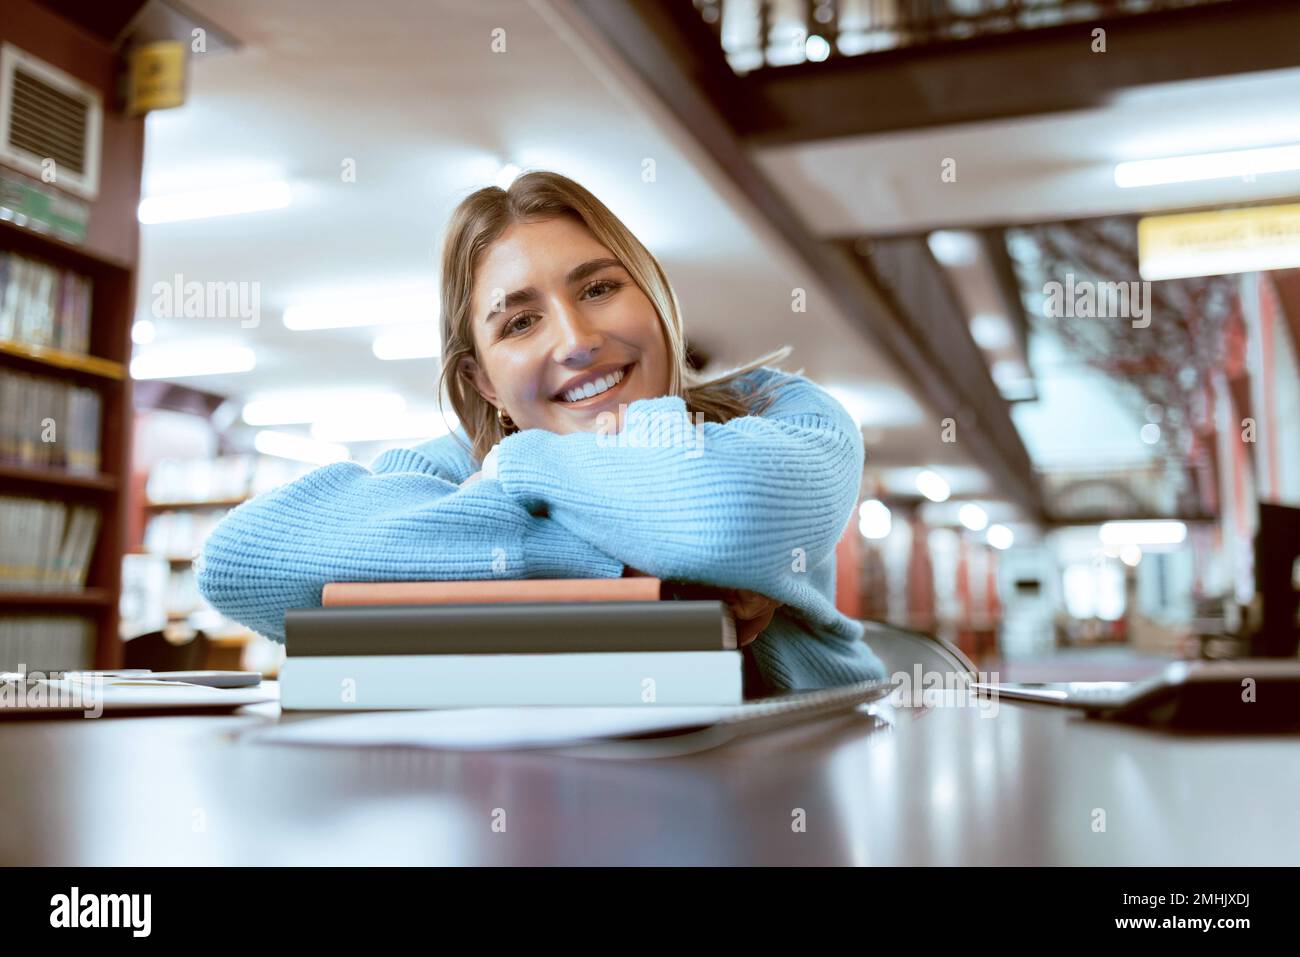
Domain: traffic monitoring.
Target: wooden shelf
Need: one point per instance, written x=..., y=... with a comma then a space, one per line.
x=101, y=481
x=108, y=258
x=87, y=597
x=184, y=506
x=31, y=242
x=57, y=358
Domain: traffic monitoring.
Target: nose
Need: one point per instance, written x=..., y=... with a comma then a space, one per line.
x=578, y=340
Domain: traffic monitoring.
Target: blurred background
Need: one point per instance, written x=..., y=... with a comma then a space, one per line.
x=1046, y=252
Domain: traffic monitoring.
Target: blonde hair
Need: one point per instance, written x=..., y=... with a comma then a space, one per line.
x=479, y=221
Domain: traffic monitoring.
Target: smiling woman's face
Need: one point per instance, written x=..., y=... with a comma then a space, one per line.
x=572, y=317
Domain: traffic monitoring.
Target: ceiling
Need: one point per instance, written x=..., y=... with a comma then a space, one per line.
x=1041, y=168
x=428, y=112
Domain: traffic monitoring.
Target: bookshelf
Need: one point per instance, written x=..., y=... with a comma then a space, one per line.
x=107, y=258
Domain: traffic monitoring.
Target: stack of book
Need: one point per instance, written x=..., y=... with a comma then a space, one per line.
x=42, y=305
x=556, y=642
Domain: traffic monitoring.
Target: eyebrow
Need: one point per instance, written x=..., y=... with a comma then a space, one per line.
x=577, y=274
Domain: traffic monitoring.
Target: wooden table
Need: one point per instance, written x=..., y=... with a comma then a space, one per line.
x=940, y=786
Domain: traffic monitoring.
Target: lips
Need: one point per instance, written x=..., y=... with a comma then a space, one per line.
x=599, y=397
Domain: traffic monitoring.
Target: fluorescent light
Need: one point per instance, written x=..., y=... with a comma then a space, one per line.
x=874, y=520
x=973, y=517
x=361, y=312
x=1188, y=169
x=362, y=428
x=1000, y=537
x=192, y=360
x=1143, y=533
x=417, y=342
x=294, y=407
x=299, y=448
x=205, y=204
x=933, y=487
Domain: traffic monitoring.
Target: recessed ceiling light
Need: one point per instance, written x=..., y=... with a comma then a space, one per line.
x=990, y=331
x=874, y=519
x=932, y=486
x=1000, y=537
x=143, y=332
x=953, y=248
x=973, y=517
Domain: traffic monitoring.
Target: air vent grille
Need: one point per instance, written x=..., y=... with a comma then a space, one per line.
x=50, y=123
x=47, y=122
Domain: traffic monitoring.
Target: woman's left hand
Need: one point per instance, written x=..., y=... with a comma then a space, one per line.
x=472, y=479
x=753, y=612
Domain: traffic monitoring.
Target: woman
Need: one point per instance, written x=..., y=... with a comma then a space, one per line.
x=587, y=449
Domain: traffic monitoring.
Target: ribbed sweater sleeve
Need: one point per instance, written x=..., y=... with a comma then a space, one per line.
x=758, y=502
x=398, y=521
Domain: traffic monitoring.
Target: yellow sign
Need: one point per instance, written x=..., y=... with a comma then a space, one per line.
x=156, y=79
x=1215, y=244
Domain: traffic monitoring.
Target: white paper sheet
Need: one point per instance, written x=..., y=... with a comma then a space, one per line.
x=487, y=728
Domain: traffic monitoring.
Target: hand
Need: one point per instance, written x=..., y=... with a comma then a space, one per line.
x=472, y=479
x=753, y=612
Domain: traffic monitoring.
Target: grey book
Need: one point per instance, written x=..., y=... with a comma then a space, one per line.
x=510, y=628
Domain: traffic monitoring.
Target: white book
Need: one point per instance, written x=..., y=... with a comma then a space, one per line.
x=68, y=548
x=56, y=519
x=602, y=679
x=85, y=549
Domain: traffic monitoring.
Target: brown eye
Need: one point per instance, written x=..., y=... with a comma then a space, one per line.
x=602, y=286
x=510, y=328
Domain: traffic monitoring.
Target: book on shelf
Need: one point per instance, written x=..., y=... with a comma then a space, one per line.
x=46, y=643
x=48, y=424
x=620, y=651
x=45, y=546
x=43, y=305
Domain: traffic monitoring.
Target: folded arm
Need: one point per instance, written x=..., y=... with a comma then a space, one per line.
x=401, y=521
x=747, y=504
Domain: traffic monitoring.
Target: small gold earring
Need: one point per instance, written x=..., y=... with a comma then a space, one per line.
x=506, y=422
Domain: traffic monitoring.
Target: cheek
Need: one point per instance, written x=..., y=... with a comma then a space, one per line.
x=518, y=377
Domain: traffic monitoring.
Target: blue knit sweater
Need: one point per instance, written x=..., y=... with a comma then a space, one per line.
x=757, y=503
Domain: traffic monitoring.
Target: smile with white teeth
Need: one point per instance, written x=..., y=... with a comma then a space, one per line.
x=603, y=384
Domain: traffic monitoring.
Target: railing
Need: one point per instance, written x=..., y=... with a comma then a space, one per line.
x=1157, y=489
x=769, y=33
